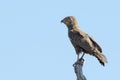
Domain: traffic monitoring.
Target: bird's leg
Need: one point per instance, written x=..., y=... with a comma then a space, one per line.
x=77, y=57
x=82, y=55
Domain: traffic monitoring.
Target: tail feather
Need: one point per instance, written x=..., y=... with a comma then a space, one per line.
x=101, y=58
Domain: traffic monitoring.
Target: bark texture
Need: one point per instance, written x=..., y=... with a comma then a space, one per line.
x=78, y=69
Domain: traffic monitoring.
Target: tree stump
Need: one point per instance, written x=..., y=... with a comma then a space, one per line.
x=78, y=69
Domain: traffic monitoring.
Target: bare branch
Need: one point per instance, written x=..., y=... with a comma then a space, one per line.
x=78, y=69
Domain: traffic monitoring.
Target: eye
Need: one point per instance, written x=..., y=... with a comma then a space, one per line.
x=70, y=21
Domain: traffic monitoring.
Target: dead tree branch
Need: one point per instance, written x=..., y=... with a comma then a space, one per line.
x=78, y=69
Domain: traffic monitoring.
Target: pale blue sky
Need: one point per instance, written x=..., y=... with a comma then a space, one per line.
x=34, y=44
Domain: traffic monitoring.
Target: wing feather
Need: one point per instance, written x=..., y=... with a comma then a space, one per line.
x=95, y=44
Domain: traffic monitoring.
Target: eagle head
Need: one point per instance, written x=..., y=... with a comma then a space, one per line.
x=69, y=21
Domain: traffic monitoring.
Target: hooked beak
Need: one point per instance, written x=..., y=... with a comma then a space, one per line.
x=62, y=21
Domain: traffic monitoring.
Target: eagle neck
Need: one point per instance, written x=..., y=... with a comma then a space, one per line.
x=73, y=27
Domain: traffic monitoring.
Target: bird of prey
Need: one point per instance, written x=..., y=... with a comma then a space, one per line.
x=81, y=41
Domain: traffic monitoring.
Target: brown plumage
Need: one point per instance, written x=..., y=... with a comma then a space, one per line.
x=81, y=41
